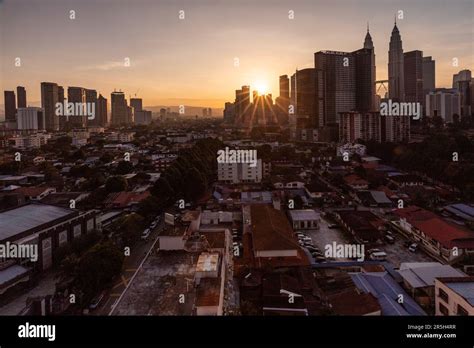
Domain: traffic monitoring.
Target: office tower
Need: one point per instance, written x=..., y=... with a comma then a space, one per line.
x=339, y=83
x=204, y=112
x=444, y=103
x=130, y=114
x=229, y=113
x=354, y=125
x=76, y=95
x=396, y=83
x=429, y=76
x=142, y=117
x=30, y=118
x=91, y=100
x=49, y=99
x=413, y=76
x=282, y=102
x=100, y=118
x=284, y=87
x=242, y=106
x=365, y=76
x=119, y=108
x=462, y=83
x=209, y=112
x=21, y=97
x=10, y=106
x=303, y=92
x=136, y=104
x=471, y=87
x=262, y=113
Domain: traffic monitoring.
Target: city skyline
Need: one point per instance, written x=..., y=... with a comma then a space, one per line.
x=196, y=79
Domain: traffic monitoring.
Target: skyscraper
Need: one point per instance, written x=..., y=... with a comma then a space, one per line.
x=462, y=83
x=282, y=102
x=396, y=83
x=429, y=76
x=242, y=106
x=10, y=106
x=21, y=97
x=413, y=76
x=303, y=92
x=49, y=99
x=120, y=113
x=101, y=118
x=365, y=76
x=137, y=104
x=76, y=95
x=339, y=83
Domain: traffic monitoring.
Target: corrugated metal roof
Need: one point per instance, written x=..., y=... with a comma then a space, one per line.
x=29, y=216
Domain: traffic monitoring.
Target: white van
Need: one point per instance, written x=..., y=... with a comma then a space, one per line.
x=378, y=256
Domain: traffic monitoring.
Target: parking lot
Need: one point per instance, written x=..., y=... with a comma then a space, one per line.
x=396, y=252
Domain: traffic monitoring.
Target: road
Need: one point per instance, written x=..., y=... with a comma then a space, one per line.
x=130, y=267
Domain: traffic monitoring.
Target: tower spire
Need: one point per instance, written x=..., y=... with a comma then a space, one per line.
x=367, y=26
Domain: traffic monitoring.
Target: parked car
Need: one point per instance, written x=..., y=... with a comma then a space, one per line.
x=413, y=247
x=320, y=259
x=312, y=248
x=332, y=226
x=389, y=239
x=307, y=239
x=146, y=234
x=96, y=301
x=154, y=224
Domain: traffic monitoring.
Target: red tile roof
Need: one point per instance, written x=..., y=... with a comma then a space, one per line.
x=447, y=234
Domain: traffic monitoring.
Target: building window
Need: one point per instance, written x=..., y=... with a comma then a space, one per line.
x=443, y=309
x=462, y=311
x=443, y=295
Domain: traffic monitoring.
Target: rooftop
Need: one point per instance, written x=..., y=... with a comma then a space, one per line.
x=304, y=214
x=423, y=274
x=463, y=286
x=27, y=217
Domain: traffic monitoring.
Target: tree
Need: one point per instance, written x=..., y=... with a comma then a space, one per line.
x=97, y=267
x=116, y=184
x=124, y=167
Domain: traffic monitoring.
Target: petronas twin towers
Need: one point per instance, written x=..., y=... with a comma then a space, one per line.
x=396, y=82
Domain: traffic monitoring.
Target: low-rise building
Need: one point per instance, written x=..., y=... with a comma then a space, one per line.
x=454, y=296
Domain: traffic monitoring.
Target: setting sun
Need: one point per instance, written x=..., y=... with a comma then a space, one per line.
x=261, y=87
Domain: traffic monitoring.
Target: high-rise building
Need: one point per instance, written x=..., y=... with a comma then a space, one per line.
x=303, y=92
x=444, y=103
x=413, y=70
x=130, y=114
x=354, y=125
x=21, y=97
x=120, y=112
x=339, y=83
x=365, y=76
x=30, y=118
x=282, y=102
x=429, y=76
x=204, y=112
x=142, y=117
x=49, y=99
x=242, y=106
x=136, y=104
x=10, y=106
x=229, y=113
x=462, y=83
x=101, y=117
x=396, y=76
x=76, y=95
x=209, y=112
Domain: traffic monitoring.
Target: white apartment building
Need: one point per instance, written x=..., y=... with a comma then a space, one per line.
x=443, y=103
x=235, y=173
x=30, y=118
